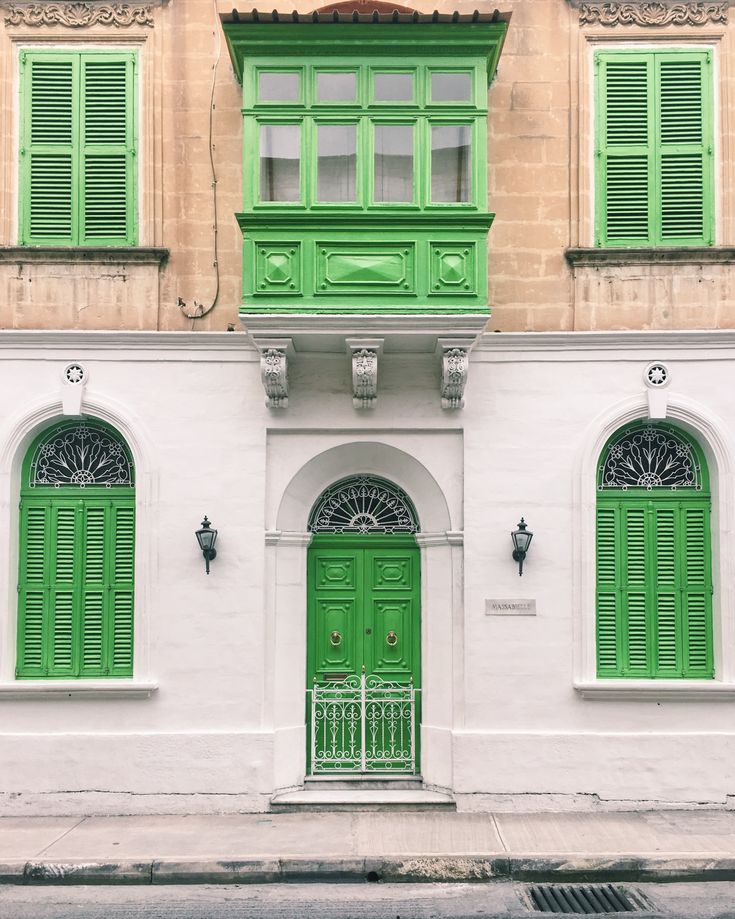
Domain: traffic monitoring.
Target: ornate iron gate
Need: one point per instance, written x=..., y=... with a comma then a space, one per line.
x=363, y=724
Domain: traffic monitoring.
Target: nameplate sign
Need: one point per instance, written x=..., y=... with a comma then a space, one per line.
x=510, y=607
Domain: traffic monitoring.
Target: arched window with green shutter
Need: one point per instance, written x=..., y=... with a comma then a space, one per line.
x=654, y=570
x=77, y=554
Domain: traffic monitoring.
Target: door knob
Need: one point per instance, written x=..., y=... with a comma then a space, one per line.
x=335, y=639
x=391, y=639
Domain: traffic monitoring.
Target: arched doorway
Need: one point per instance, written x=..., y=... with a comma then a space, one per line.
x=363, y=630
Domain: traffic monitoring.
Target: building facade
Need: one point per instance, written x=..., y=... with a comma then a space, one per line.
x=366, y=285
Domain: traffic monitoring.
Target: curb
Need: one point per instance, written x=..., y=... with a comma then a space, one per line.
x=405, y=869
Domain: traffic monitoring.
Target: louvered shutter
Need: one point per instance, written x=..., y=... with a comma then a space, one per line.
x=625, y=150
x=78, y=153
x=635, y=566
x=654, y=148
x=108, y=149
x=608, y=590
x=33, y=589
x=697, y=593
x=63, y=588
x=121, y=600
x=49, y=155
x=94, y=588
x=684, y=148
x=665, y=590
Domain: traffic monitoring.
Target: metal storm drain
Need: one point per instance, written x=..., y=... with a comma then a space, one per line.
x=584, y=898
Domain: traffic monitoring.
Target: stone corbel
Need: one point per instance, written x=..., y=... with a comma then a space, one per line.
x=455, y=357
x=657, y=378
x=365, y=353
x=74, y=378
x=274, y=355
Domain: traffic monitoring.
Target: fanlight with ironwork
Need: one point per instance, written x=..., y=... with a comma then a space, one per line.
x=364, y=504
x=651, y=456
x=81, y=453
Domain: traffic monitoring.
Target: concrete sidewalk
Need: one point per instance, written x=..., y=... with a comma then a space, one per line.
x=390, y=846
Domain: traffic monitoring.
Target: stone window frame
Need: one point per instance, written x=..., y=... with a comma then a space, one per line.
x=145, y=42
x=582, y=97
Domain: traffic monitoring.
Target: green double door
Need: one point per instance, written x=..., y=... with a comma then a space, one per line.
x=364, y=618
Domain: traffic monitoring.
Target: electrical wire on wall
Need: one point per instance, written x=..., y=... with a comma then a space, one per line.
x=200, y=309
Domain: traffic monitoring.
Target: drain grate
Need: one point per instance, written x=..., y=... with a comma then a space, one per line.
x=584, y=898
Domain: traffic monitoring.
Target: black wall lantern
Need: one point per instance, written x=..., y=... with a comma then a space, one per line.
x=521, y=541
x=207, y=537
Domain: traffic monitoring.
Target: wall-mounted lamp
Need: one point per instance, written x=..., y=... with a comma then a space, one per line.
x=521, y=541
x=207, y=537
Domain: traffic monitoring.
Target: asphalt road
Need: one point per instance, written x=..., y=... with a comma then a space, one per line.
x=335, y=901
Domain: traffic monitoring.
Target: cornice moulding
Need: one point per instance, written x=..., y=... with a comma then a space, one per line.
x=107, y=255
x=79, y=15
x=676, y=255
x=642, y=13
x=554, y=344
x=33, y=340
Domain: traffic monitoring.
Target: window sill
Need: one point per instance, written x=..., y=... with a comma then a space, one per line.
x=673, y=255
x=144, y=255
x=77, y=689
x=656, y=690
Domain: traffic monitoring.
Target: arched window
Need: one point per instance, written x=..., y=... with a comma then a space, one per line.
x=363, y=504
x=654, y=581
x=77, y=559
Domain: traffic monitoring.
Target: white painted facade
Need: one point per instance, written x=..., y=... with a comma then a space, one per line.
x=214, y=718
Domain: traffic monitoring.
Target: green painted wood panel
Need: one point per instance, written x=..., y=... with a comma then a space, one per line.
x=654, y=148
x=654, y=588
x=359, y=591
x=78, y=159
x=75, y=595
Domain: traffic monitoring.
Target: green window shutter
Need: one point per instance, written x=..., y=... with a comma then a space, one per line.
x=625, y=151
x=685, y=148
x=121, y=612
x=108, y=150
x=94, y=589
x=33, y=590
x=665, y=582
x=635, y=579
x=608, y=593
x=697, y=593
x=48, y=171
x=65, y=532
x=78, y=134
x=654, y=140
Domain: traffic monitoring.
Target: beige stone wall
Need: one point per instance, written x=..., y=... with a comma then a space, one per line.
x=539, y=178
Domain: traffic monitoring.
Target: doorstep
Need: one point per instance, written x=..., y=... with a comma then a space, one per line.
x=358, y=793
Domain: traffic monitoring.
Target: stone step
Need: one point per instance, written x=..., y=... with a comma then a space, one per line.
x=366, y=782
x=360, y=799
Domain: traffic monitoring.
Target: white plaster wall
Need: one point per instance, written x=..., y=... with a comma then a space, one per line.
x=219, y=733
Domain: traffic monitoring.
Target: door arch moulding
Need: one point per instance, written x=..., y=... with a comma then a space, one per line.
x=285, y=608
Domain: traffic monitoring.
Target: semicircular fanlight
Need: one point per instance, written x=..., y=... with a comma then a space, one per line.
x=650, y=456
x=363, y=504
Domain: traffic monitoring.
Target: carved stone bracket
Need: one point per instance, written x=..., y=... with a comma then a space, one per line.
x=274, y=370
x=79, y=15
x=455, y=357
x=365, y=353
x=643, y=13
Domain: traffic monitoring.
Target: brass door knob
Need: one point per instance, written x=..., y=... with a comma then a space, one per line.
x=391, y=639
x=335, y=639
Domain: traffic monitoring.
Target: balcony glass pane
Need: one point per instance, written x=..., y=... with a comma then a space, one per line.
x=337, y=165
x=336, y=87
x=394, y=162
x=451, y=87
x=393, y=87
x=279, y=162
x=451, y=156
x=278, y=87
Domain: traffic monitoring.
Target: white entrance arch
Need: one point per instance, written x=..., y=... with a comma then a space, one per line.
x=441, y=602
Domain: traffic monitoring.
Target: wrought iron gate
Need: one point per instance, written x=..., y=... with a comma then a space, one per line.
x=363, y=725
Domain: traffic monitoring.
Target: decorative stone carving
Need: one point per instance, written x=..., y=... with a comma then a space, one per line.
x=73, y=382
x=274, y=374
x=642, y=13
x=364, y=378
x=657, y=378
x=455, y=367
x=78, y=15
x=365, y=353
